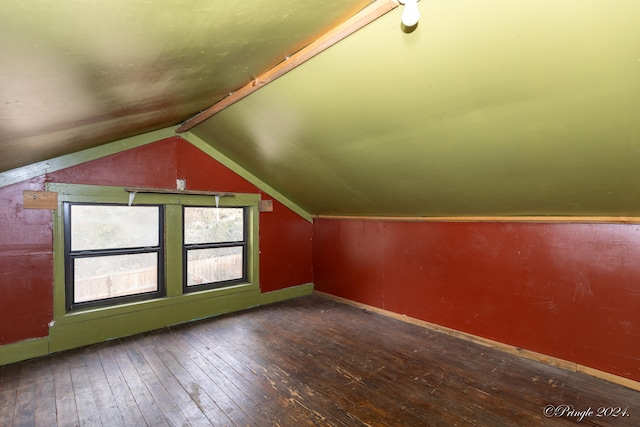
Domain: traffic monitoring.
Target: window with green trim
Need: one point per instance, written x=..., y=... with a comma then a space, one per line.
x=215, y=246
x=159, y=249
x=113, y=253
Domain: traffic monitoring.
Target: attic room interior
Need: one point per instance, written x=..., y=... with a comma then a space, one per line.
x=310, y=213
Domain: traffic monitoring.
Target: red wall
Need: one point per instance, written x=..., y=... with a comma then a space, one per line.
x=567, y=290
x=26, y=241
x=26, y=266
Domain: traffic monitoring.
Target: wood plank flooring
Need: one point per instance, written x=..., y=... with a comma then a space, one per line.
x=307, y=361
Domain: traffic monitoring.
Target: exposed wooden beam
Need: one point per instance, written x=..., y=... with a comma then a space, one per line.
x=367, y=15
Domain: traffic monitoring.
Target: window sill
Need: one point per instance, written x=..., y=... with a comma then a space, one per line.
x=151, y=304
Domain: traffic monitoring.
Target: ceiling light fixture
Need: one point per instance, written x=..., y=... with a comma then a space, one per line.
x=411, y=13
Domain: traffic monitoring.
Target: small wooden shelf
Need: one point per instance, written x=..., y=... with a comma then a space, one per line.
x=133, y=191
x=187, y=192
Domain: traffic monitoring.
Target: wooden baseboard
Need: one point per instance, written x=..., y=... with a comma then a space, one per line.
x=528, y=354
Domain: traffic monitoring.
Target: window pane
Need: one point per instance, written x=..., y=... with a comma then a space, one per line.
x=103, y=277
x=213, y=225
x=109, y=227
x=214, y=265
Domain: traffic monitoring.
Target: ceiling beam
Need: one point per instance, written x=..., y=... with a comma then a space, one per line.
x=367, y=15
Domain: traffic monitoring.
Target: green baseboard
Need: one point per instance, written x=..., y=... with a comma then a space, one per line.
x=27, y=349
x=91, y=327
x=286, y=293
x=84, y=328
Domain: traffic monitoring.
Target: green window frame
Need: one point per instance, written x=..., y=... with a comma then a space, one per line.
x=97, y=321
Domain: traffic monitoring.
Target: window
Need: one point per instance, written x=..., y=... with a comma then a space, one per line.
x=165, y=250
x=215, y=247
x=113, y=253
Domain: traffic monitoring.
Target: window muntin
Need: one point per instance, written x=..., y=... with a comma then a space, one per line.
x=215, y=247
x=113, y=253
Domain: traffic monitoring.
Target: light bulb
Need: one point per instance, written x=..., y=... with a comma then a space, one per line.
x=411, y=13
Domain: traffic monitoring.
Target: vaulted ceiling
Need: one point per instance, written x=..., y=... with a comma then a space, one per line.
x=78, y=73
x=487, y=108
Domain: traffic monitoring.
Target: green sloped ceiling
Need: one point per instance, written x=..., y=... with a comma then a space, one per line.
x=487, y=108
x=76, y=74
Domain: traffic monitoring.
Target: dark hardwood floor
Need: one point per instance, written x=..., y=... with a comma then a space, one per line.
x=307, y=361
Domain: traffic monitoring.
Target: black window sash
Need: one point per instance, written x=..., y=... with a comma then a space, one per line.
x=70, y=257
x=242, y=243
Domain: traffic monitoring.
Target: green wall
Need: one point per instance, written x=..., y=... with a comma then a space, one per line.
x=487, y=108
